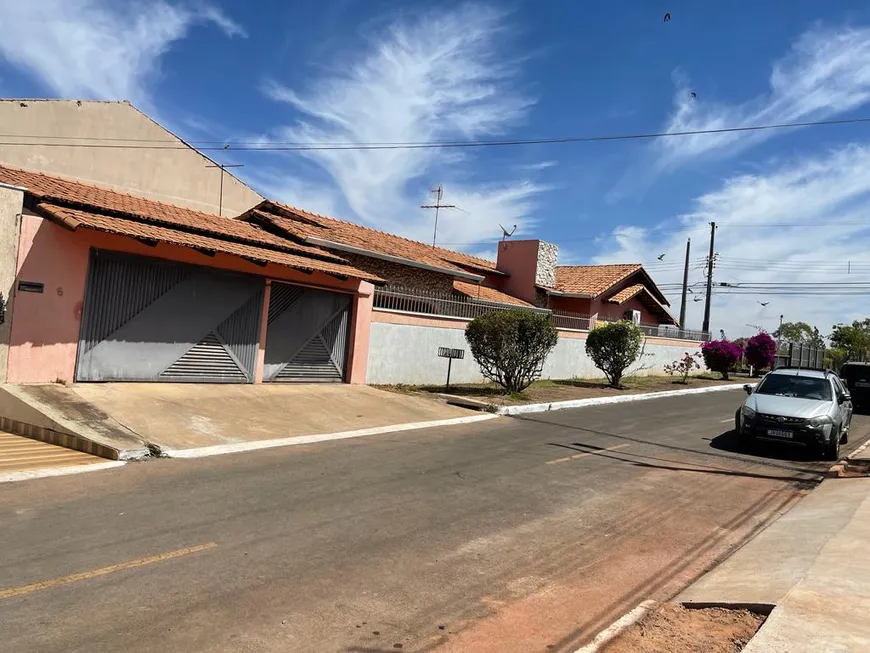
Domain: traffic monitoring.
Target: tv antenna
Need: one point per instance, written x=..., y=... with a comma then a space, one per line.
x=507, y=234
x=223, y=168
x=438, y=193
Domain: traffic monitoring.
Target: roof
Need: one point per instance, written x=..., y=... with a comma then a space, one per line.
x=307, y=226
x=66, y=191
x=75, y=218
x=592, y=280
x=487, y=294
x=74, y=204
x=627, y=293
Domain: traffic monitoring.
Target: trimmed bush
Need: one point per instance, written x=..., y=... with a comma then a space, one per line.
x=721, y=355
x=510, y=346
x=760, y=351
x=613, y=347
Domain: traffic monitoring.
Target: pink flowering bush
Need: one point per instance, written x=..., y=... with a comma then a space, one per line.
x=721, y=355
x=760, y=351
x=683, y=366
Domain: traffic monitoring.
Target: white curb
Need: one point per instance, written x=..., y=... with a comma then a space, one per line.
x=618, y=399
x=617, y=627
x=239, y=447
x=26, y=475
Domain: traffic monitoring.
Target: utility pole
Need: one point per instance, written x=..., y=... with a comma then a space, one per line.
x=779, y=333
x=223, y=168
x=438, y=193
x=706, y=326
x=685, y=285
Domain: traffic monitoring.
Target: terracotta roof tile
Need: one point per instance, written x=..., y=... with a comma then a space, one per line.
x=76, y=218
x=305, y=224
x=592, y=279
x=65, y=191
x=627, y=293
x=486, y=294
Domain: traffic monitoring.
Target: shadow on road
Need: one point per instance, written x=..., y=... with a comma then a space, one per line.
x=786, y=451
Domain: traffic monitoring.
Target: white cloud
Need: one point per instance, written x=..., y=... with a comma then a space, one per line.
x=826, y=72
x=437, y=76
x=98, y=49
x=832, y=189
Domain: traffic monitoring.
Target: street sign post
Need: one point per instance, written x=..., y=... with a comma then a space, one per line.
x=450, y=354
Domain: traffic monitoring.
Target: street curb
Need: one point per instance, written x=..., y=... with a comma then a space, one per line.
x=619, y=399
x=617, y=628
x=27, y=475
x=240, y=447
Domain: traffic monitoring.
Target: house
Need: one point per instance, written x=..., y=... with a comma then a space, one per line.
x=603, y=292
x=107, y=286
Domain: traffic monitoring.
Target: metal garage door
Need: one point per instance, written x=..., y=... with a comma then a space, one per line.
x=147, y=319
x=307, y=335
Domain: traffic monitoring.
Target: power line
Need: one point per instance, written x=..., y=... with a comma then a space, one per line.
x=258, y=146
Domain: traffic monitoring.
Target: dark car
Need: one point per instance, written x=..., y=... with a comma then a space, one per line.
x=857, y=379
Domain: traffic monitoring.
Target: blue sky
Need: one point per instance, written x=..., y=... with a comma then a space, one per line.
x=342, y=71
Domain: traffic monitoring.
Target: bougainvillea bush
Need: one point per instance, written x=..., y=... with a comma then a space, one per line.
x=684, y=366
x=721, y=355
x=760, y=351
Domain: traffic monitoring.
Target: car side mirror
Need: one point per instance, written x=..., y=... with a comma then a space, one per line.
x=845, y=397
x=748, y=389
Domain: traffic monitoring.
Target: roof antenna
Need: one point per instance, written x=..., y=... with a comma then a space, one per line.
x=507, y=234
x=438, y=193
x=223, y=167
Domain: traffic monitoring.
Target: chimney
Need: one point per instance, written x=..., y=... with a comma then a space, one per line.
x=529, y=263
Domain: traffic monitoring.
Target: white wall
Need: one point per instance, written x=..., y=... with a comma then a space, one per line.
x=402, y=353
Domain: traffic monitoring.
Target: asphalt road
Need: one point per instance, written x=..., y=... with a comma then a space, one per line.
x=508, y=535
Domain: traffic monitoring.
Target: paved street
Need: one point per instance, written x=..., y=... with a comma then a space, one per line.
x=508, y=535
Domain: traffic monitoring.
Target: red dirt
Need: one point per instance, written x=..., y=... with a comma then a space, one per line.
x=676, y=629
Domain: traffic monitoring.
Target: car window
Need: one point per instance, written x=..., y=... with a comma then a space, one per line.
x=838, y=386
x=800, y=387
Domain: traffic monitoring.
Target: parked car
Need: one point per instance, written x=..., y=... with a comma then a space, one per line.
x=808, y=407
x=856, y=376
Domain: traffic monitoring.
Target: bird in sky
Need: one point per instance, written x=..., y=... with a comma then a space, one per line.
x=697, y=299
x=666, y=18
x=693, y=95
x=764, y=303
x=661, y=256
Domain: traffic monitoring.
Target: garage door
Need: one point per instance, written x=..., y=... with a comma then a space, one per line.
x=147, y=319
x=307, y=336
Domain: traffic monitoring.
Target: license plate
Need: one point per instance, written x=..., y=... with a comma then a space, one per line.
x=780, y=433
x=862, y=384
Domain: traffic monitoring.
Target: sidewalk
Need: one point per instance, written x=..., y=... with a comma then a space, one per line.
x=812, y=564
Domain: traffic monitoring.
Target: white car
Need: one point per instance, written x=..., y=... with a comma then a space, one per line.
x=808, y=407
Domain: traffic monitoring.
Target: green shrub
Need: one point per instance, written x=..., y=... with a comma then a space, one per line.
x=510, y=346
x=613, y=348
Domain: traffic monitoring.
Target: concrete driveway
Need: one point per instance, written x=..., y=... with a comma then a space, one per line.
x=508, y=535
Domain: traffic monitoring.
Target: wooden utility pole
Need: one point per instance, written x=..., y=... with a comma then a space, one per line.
x=710, y=261
x=438, y=193
x=685, y=285
x=223, y=168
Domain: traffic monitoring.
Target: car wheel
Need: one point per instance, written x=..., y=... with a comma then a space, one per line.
x=831, y=450
x=737, y=421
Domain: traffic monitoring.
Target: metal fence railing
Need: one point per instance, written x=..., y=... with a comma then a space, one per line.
x=567, y=320
x=664, y=330
x=435, y=303
x=415, y=300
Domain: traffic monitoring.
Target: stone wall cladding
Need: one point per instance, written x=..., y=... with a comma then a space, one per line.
x=405, y=276
x=548, y=257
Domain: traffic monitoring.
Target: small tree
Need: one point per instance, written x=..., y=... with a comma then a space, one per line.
x=510, y=346
x=721, y=355
x=760, y=351
x=613, y=347
x=684, y=366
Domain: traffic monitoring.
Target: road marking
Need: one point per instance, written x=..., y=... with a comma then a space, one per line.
x=86, y=575
x=725, y=421
x=587, y=453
